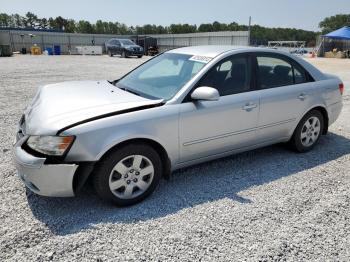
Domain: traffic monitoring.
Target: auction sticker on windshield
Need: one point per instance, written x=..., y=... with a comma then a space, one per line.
x=203, y=59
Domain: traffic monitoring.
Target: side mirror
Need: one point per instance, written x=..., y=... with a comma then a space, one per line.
x=205, y=93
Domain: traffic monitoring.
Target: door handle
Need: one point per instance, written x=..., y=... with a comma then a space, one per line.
x=249, y=106
x=302, y=96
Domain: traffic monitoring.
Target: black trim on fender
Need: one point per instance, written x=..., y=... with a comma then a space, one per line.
x=81, y=175
x=110, y=114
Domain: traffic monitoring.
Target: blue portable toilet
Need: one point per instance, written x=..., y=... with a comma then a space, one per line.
x=49, y=50
x=57, y=49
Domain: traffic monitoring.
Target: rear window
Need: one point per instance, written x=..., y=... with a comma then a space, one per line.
x=274, y=71
x=113, y=42
x=126, y=42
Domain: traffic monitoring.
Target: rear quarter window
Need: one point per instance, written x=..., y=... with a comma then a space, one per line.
x=299, y=75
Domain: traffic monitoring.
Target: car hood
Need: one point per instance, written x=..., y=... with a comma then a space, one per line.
x=57, y=106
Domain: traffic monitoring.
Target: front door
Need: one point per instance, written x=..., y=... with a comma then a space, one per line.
x=207, y=128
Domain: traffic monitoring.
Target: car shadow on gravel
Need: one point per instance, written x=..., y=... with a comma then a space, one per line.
x=212, y=181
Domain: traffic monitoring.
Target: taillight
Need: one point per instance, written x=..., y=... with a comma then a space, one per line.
x=341, y=88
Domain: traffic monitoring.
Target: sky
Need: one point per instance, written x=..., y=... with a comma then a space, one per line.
x=303, y=14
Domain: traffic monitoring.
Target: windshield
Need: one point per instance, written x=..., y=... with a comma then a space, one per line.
x=163, y=76
x=126, y=42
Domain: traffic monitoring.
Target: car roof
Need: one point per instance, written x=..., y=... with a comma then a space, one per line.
x=208, y=50
x=120, y=39
x=213, y=51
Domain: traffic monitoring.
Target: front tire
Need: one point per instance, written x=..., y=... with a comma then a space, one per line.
x=110, y=53
x=308, y=132
x=139, y=56
x=123, y=54
x=128, y=175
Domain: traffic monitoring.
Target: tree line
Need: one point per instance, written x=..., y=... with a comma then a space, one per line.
x=335, y=22
x=259, y=35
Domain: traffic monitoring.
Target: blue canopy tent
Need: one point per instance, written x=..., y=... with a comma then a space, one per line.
x=338, y=39
x=341, y=34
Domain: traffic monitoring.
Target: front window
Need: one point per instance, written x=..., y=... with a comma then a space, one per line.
x=163, y=76
x=230, y=76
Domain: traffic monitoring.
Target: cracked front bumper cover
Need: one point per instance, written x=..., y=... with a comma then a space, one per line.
x=54, y=180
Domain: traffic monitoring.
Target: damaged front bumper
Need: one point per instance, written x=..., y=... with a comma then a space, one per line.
x=54, y=180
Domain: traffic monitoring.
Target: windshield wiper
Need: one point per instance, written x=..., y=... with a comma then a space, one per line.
x=131, y=91
x=128, y=90
x=137, y=93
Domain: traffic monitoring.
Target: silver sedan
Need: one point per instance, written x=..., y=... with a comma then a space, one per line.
x=183, y=107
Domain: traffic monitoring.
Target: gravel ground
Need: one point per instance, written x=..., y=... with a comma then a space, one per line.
x=266, y=205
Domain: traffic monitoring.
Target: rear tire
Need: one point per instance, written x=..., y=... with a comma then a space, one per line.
x=308, y=132
x=128, y=175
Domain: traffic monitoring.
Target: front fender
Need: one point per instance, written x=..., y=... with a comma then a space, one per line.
x=121, y=140
x=94, y=139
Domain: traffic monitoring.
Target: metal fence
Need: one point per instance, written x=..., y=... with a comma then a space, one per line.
x=18, y=39
x=170, y=41
x=67, y=41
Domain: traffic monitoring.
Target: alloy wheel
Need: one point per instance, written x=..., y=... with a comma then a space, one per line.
x=310, y=131
x=131, y=176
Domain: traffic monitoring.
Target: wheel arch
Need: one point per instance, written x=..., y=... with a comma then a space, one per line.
x=322, y=109
x=324, y=113
x=163, y=154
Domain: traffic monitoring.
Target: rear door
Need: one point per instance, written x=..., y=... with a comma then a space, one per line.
x=117, y=47
x=207, y=128
x=112, y=46
x=285, y=92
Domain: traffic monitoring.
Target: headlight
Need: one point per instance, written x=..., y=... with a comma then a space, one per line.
x=50, y=145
